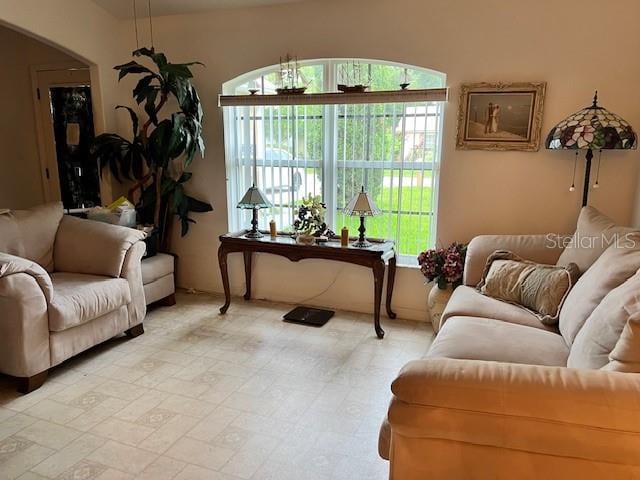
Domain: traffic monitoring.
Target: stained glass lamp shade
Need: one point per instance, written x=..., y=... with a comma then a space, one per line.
x=592, y=128
x=362, y=205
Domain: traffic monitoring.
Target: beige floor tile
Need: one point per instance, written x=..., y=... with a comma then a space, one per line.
x=54, y=411
x=162, y=469
x=15, y=423
x=31, y=476
x=200, y=453
x=22, y=459
x=123, y=457
x=121, y=431
x=49, y=434
x=193, y=472
x=61, y=461
x=168, y=434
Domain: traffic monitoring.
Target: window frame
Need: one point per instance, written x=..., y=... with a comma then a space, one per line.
x=330, y=163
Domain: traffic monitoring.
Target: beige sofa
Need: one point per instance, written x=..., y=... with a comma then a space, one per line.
x=66, y=284
x=502, y=396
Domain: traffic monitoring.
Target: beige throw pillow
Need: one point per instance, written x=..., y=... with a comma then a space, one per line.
x=595, y=232
x=602, y=330
x=625, y=357
x=541, y=289
x=10, y=240
x=38, y=227
x=614, y=267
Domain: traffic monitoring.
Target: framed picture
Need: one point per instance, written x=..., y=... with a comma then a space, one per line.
x=500, y=116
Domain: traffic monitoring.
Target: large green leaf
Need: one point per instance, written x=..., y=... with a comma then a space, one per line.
x=142, y=89
x=131, y=67
x=109, y=150
x=150, y=105
x=158, y=58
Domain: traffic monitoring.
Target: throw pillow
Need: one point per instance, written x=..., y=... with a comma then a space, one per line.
x=10, y=241
x=38, y=227
x=602, y=330
x=614, y=267
x=625, y=357
x=541, y=289
x=595, y=232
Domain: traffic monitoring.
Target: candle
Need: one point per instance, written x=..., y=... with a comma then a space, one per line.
x=344, y=237
x=272, y=228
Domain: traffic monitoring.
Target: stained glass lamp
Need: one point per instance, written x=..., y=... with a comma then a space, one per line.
x=362, y=205
x=254, y=199
x=592, y=128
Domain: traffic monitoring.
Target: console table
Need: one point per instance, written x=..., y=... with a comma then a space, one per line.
x=376, y=257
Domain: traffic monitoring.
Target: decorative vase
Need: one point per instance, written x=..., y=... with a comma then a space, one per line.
x=305, y=239
x=436, y=303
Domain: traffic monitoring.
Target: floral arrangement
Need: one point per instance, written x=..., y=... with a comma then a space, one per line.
x=310, y=218
x=443, y=265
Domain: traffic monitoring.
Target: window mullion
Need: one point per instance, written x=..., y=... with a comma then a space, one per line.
x=329, y=163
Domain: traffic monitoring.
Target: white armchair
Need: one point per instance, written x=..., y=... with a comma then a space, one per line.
x=66, y=284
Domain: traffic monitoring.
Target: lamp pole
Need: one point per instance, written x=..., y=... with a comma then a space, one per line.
x=587, y=175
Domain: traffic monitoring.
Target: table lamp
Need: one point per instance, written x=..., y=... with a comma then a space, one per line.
x=362, y=205
x=592, y=128
x=254, y=199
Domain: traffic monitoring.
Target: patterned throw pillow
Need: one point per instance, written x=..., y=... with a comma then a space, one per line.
x=540, y=289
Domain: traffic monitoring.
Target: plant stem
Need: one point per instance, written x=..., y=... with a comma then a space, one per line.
x=156, y=213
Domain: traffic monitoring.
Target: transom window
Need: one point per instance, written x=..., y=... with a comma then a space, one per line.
x=393, y=149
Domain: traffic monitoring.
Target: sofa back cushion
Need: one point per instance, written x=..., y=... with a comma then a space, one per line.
x=595, y=232
x=625, y=357
x=10, y=241
x=614, y=267
x=601, y=332
x=35, y=230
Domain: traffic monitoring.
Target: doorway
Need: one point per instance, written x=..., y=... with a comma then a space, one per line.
x=64, y=115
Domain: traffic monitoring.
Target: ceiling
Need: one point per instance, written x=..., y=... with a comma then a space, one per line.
x=124, y=8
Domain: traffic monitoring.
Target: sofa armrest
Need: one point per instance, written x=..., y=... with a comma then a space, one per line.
x=11, y=265
x=95, y=248
x=132, y=272
x=543, y=248
x=590, y=414
x=25, y=294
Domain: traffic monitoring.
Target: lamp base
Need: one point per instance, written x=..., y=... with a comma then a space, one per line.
x=252, y=234
x=361, y=244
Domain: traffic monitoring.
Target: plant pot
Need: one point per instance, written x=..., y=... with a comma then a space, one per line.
x=305, y=239
x=436, y=303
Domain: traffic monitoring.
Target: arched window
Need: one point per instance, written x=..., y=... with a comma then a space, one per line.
x=393, y=149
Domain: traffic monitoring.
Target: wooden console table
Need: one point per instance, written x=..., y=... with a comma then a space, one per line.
x=375, y=257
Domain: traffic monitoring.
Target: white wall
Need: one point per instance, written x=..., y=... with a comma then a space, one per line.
x=575, y=49
x=20, y=182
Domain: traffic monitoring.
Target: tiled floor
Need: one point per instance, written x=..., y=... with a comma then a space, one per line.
x=204, y=396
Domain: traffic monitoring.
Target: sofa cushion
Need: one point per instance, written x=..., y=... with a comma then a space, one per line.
x=80, y=298
x=470, y=338
x=617, y=264
x=10, y=241
x=602, y=330
x=539, y=288
x=156, y=267
x=625, y=356
x=38, y=227
x=595, y=232
x=468, y=302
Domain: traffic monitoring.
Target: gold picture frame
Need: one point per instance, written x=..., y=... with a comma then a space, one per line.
x=500, y=116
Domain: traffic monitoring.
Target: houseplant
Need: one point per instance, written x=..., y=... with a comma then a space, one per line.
x=163, y=144
x=443, y=267
x=309, y=224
